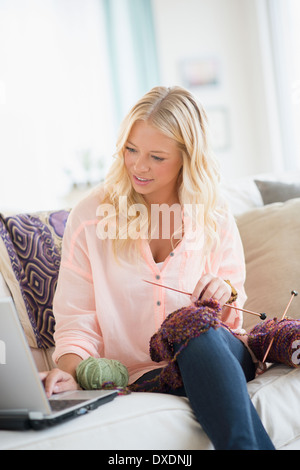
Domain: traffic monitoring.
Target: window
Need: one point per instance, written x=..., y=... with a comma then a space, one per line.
x=284, y=20
x=295, y=78
x=56, y=118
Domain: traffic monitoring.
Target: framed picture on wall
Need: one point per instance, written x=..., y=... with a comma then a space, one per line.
x=200, y=72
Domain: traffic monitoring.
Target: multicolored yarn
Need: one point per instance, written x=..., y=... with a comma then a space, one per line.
x=284, y=332
x=179, y=328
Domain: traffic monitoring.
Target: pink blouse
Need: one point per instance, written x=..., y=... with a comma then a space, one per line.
x=102, y=306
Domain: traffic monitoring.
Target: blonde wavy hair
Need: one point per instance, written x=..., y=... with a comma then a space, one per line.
x=176, y=113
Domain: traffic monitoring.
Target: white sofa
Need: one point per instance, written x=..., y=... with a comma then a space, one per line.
x=270, y=234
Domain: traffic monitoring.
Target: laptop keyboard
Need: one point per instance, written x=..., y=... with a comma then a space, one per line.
x=60, y=405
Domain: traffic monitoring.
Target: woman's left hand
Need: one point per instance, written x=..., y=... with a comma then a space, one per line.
x=212, y=287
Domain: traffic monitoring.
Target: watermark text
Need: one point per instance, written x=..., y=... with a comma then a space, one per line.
x=296, y=354
x=163, y=222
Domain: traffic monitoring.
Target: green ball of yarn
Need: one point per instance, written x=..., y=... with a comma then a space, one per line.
x=93, y=373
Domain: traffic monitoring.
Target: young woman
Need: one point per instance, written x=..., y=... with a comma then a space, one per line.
x=158, y=217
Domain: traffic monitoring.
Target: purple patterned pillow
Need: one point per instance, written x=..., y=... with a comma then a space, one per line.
x=33, y=245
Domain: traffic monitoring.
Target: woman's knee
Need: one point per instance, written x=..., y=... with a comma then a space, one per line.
x=217, y=346
x=203, y=344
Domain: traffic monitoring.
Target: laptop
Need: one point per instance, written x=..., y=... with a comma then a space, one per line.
x=23, y=401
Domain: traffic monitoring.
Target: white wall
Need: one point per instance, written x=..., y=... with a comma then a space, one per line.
x=229, y=31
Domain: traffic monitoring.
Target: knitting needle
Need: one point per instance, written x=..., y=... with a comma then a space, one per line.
x=294, y=294
x=262, y=316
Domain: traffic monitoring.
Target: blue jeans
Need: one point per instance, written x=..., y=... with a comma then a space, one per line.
x=215, y=369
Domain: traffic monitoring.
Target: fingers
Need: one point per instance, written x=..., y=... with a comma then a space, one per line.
x=261, y=368
x=50, y=379
x=57, y=381
x=200, y=288
x=211, y=287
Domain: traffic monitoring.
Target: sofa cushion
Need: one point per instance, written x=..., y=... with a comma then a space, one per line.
x=270, y=235
x=241, y=194
x=277, y=191
x=30, y=252
x=275, y=395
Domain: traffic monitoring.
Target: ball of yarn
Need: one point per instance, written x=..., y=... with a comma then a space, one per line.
x=94, y=374
x=286, y=333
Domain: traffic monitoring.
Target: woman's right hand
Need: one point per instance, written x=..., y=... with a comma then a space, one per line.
x=57, y=381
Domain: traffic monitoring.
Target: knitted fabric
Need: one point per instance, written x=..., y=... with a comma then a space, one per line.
x=179, y=328
x=286, y=333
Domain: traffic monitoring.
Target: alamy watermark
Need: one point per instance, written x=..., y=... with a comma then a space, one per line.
x=296, y=354
x=140, y=461
x=186, y=220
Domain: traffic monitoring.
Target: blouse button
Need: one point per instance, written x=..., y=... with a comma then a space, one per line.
x=158, y=302
x=171, y=254
x=157, y=276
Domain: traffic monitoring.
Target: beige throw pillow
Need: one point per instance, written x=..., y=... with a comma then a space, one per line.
x=271, y=239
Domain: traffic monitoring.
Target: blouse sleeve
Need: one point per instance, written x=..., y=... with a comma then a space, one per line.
x=77, y=328
x=228, y=262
